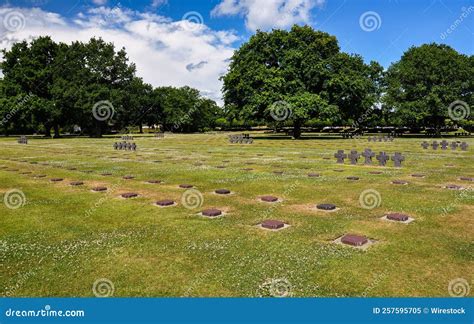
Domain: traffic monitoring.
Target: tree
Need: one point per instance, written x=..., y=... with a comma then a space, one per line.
x=28, y=70
x=421, y=87
x=297, y=75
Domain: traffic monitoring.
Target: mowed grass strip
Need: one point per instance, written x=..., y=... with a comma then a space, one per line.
x=64, y=238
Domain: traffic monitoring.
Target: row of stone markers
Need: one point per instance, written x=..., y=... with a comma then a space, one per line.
x=240, y=139
x=23, y=140
x=444, y=145
x=382, y=158
x=127, y=138
x=380, y=139
x=125, y=146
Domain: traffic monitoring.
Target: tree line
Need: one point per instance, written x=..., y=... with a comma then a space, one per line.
x=297, y=78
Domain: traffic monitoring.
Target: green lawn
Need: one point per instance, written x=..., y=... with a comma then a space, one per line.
x=65, y=238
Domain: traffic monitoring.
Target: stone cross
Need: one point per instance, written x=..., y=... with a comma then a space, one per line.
x=115, y=145
x=354, y=156
x=340, y=156
x=435, y=145
x=397, y=159
x=464, y=146
x=368, y=155
x=382, y=158
x=380, y=138
x=454, y=145
x=425, y=145
x=444, y=145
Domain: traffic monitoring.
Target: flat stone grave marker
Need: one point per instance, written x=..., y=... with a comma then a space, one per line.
x=278, y=172
x=354, y=157
x=399, y=182
x=186, y=186
x=464, y=146
x=397, y=159
x=128, y=177
x=418, y=175
x=313, y=175
x=76, y=183
x=354, y=240
x=272, y=224
x=352, y=178
x=269, y=198
x=326, y=207
x=368, y=155
x=454, y=187
x=99, y=189
x=444, y=145
x=397, y=217
x=56, y=179
x=340, y=156
x=435, y=145
x=165, y=203
x=382, y=158
x=40, y=176
x=129, y=195
x=222, y=191
x=213, y=212
x=375, y=172
x=106, y=174
x=466, y=179
x=154, y=181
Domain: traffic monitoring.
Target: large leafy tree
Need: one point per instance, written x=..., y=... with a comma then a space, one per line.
x=28, y=71
x=297, y=75
x=421, y=86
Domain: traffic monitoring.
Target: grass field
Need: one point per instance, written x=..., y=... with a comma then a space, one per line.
x=65, y=238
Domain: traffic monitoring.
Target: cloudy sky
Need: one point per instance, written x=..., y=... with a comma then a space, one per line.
x=178, y=42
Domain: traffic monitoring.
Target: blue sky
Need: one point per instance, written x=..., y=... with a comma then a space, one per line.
x=181, y=42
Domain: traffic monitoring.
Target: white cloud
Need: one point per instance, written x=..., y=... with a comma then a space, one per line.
x=268, y=14
x=166, y=52
x=99, y=2
x=157, y=3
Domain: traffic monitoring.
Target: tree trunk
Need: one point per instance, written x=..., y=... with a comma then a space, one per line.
x=56, y=131
x=297, y=129
x=47, y=131
x=141, y=128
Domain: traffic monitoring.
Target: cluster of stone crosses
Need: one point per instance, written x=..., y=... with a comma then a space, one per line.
x=159, y=135
x=127, y=138
x=240, y=139
x=382, y=157
x=23, y=140
x=444, y=145
x=380, y=139
x=125, y=146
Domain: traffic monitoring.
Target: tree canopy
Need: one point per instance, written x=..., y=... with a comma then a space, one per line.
x=294, y=78
x=297, y=75
x=423, y=85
